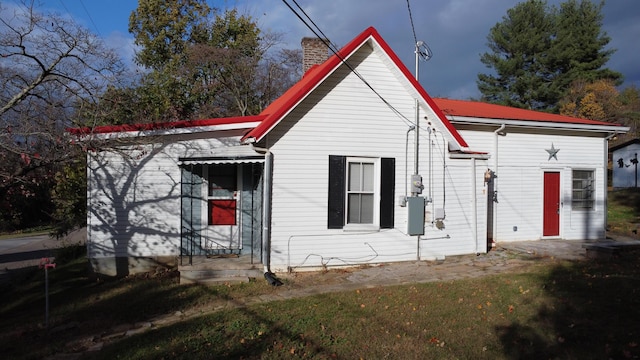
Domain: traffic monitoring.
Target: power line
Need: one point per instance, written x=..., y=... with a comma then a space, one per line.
x=413, y=28
x=91, y=18
x=334, y=50
x=65, y=7
x=86, y=12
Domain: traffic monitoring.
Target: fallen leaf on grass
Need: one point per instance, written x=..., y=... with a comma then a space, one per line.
x=511, y=308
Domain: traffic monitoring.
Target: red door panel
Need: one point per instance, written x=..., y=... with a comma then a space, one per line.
x=551, y=206
x=222, y=212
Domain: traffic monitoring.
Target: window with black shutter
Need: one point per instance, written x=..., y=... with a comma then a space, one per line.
x=361, y=192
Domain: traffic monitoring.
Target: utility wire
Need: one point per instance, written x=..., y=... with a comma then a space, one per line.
x=334, y=50
x=91, y=18
x=86, y=12
x=413, y=28
x=331, y=46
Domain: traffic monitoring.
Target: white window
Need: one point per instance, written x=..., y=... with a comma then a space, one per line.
x=583, y=190
x=360, y=191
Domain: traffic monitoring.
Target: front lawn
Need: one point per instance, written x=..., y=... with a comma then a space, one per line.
x=551, y=310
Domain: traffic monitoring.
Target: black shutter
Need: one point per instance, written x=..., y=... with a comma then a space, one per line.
x=335, y=213
x=387, y=194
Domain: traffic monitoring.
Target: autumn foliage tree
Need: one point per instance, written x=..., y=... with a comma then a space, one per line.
x=202, y=63
x=601, y=100
x=591, y=100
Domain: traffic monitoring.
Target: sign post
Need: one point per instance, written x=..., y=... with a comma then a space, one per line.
x=46, y=264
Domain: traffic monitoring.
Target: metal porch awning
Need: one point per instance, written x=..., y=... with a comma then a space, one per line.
x=227, y=155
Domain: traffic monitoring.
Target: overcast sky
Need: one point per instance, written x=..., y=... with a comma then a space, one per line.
x=455, y=30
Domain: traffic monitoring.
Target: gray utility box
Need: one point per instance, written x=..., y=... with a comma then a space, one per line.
x=415, y=204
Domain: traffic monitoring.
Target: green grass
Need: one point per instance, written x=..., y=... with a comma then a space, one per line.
x=43, y=230
x=563, y=311
x=623, y=211
x=553, y=310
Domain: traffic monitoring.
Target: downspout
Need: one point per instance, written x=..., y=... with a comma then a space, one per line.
x=494, y=196
x=88, y=207
x=495, y=146
x=606, y=176
x=444, y=177
x=474, y=204
x=430, y=198
x=266, y=215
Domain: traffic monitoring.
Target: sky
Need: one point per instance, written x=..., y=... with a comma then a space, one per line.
x=455, y=30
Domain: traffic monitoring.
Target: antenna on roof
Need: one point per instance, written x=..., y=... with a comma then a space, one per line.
x=423, y=51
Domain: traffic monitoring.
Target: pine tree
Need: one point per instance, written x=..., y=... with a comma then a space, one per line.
x=538, y=51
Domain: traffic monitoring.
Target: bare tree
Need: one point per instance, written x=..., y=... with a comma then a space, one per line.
x=49, y=68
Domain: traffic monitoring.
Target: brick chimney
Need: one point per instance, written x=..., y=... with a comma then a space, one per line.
x=314, y=52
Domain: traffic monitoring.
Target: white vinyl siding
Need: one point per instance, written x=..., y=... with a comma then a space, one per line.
x=133, y=196
x=523, y=159
x=344, y=117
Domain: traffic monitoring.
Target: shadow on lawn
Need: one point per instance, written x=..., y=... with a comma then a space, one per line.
x=590, y=310
x=627, y=197
x=594, y=313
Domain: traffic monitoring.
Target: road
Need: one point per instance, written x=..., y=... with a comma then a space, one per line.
x=26, y=251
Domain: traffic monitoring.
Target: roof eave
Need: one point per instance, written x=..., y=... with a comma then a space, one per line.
x=165, y=132
x=538, y=124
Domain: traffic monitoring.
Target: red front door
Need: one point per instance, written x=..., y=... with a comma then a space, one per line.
x=551, y=216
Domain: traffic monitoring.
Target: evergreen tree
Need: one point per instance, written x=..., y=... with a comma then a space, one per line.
x=518, y=45
x=578, y=49
x=538, y=51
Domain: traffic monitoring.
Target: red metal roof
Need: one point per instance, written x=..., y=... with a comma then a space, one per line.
x=276, y=111
x=493, y=111
x=164, y=125
x=273, y=113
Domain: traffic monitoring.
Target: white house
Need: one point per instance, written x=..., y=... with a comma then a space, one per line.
x=625, y=164
x=331, y=174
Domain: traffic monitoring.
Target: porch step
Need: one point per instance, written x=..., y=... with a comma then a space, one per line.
x=218, y=276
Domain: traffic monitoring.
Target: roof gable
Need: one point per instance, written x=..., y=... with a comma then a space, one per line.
x=275, y=112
